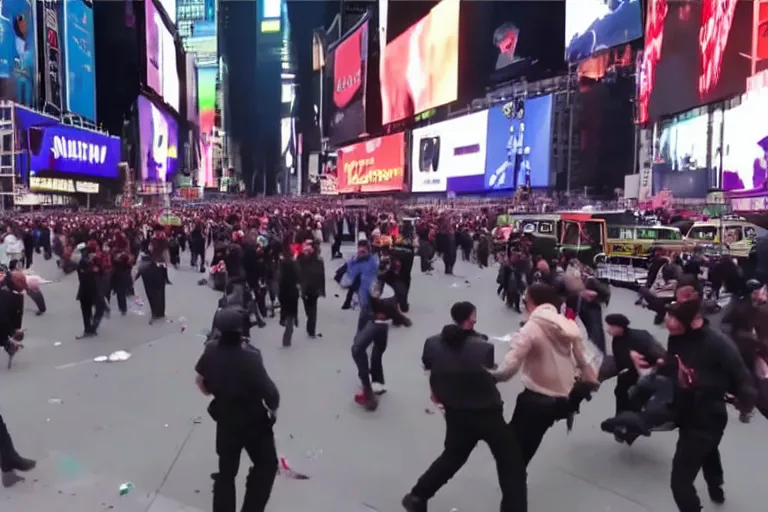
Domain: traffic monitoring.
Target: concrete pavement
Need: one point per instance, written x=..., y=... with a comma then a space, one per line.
x=143, y=420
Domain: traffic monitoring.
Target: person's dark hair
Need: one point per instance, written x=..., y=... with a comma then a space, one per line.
x=542, y=293
x=461, y=311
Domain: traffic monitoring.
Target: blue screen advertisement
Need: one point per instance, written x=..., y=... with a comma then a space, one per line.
x=47, y=145
x=80, y=59
x=518, y=144
x=17, y=52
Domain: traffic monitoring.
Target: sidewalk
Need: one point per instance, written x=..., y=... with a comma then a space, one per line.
x=59, y=483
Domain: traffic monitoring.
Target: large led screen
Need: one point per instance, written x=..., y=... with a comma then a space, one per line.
x=162, y=72
x=595, y=25
x=518, y=144
x=420, y=66
x=374, y=165
x=696, y=52
x=191, y=87
x=206, y=97
x=682, y=144
x=159, y=135
x=346, y=68
x=450, y=156
x=48, y=145
x=745, y=144
x=17, y=52
x=80, y=58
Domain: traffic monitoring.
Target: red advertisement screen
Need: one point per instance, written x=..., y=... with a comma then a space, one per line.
x=375, y=165
x=696, y=52
x=420, y=67
x=347, y=68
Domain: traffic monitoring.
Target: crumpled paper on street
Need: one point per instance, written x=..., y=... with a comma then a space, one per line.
x=115, y=357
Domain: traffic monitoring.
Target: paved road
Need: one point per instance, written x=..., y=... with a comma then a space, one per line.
x=144, y=421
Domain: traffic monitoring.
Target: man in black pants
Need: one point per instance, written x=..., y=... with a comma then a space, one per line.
x=244, y=407
x=458, y=360
x=10, y=460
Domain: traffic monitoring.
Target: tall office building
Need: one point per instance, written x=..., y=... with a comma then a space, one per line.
x=253, y=80
x=196, y=22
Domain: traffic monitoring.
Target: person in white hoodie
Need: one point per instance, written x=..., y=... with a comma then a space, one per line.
x=549, y=352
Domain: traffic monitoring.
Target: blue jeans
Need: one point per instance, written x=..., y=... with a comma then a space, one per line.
x=370, y=333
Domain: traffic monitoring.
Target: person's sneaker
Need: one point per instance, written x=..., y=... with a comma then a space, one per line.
x=315, y=336
x=413, y=504
x=367, y=400
x=11, y=478
x=378, y=388
x=716, y=494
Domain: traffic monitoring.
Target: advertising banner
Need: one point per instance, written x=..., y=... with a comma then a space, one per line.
x=595, y=25
x=450, y=156
x=206, y=98
x=159, y=134
x=375, y=165
x=694, y=54
x=519, y=143
x=80, y=81
x=51, y=61
x=192, y=106
x=162, y=71
x=17, y=52
x=745, y=144
x=67, y=186
x=419, y=69
x=47, y=145
x=347, y=66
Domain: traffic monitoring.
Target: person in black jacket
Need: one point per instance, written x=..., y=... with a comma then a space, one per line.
x=626, y=340
x=458, y=360
x=705, y=367
x=312, y=283
x=244, y=407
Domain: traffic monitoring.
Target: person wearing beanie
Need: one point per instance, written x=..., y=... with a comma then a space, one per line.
x=625, y=341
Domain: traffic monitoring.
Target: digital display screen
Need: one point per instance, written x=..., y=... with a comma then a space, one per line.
x=375, y=165
x=159, y=136
x=450, y=156
x=80, y=58
x=162, y=71
x=347, y=72
x=519, y=144
x=17, y=52
x=592, y=26
x=745, y=144
x=696, y=52
x=206, y=97
x=419, y=68
x=48, y=145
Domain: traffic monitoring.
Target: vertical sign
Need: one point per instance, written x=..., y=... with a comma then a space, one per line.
x=52, y=56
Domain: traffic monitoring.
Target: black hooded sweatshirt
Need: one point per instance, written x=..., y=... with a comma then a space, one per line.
x=458, y=361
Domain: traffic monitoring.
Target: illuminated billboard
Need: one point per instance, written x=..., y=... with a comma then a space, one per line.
x=206, y=97
x=271, y=13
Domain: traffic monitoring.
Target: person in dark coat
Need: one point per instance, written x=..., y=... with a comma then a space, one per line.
x=288, y=294
x=625, y=340
x=89, y=292
x=312, y=282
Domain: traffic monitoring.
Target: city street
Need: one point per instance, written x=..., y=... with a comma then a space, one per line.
x=94, y=426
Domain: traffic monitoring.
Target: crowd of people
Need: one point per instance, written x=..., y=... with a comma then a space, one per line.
x=266, y=262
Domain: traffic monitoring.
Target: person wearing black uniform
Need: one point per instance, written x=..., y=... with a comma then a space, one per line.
x=626, y=340
x=311, y=283
x=89, y=293
x=458, y=360
x=244, y=407
x=705, y=367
